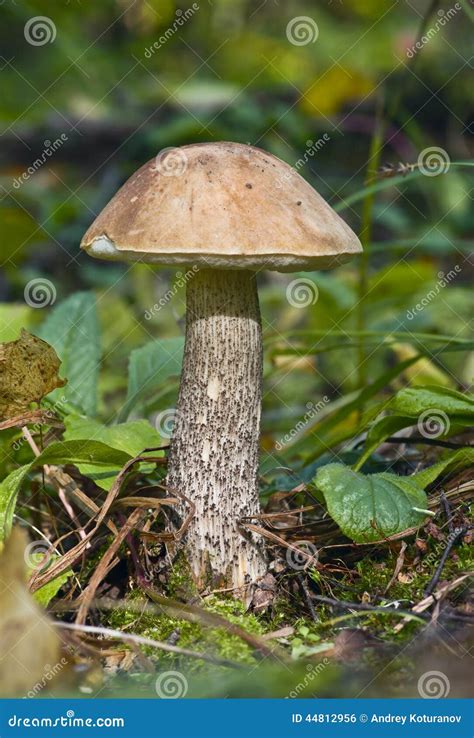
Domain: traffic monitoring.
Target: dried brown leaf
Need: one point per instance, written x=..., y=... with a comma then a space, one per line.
x=28, y=372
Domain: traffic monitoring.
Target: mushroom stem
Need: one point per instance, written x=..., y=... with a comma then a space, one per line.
x=214, y=450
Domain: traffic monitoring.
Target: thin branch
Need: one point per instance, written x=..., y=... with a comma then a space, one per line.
x=142, y=641
x=452, y=538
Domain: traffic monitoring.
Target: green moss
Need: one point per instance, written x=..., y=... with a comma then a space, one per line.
x=180, y=583
x=192, y=636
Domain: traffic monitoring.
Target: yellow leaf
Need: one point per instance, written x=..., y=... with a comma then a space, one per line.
x=335, y=87
x=421, y=373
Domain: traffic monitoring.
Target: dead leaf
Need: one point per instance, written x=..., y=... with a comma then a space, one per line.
x=28, y=371
x=264, y=593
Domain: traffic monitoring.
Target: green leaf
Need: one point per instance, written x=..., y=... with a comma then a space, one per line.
x=422, y=341
x=149, y=367
x=13, y=318
x=73, y=329
x=70, y=452
x=426, y=405
x=368, y=508
x=45, y=594
x=380, y=430
x=132, y=437
x=413, y=402
x=453, y=461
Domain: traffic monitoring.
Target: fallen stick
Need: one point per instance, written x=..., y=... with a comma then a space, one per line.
x=143, y=641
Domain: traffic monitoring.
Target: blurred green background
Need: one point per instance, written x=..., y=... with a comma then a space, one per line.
x=337, y=84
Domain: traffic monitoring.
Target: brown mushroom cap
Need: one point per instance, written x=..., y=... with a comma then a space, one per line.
x=222, y=205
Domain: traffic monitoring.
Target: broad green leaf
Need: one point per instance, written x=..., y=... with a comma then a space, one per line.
x=72, y=328
x=70, y=452
x=413, y=402
x=426, y=405
x=149, y=368
x=368, y=508
x=45, y=594
x=452, y=462
x=132, y=437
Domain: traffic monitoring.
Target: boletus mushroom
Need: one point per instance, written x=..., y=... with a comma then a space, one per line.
x=229, y=211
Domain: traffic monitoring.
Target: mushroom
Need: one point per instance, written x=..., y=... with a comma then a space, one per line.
x=228, y=210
